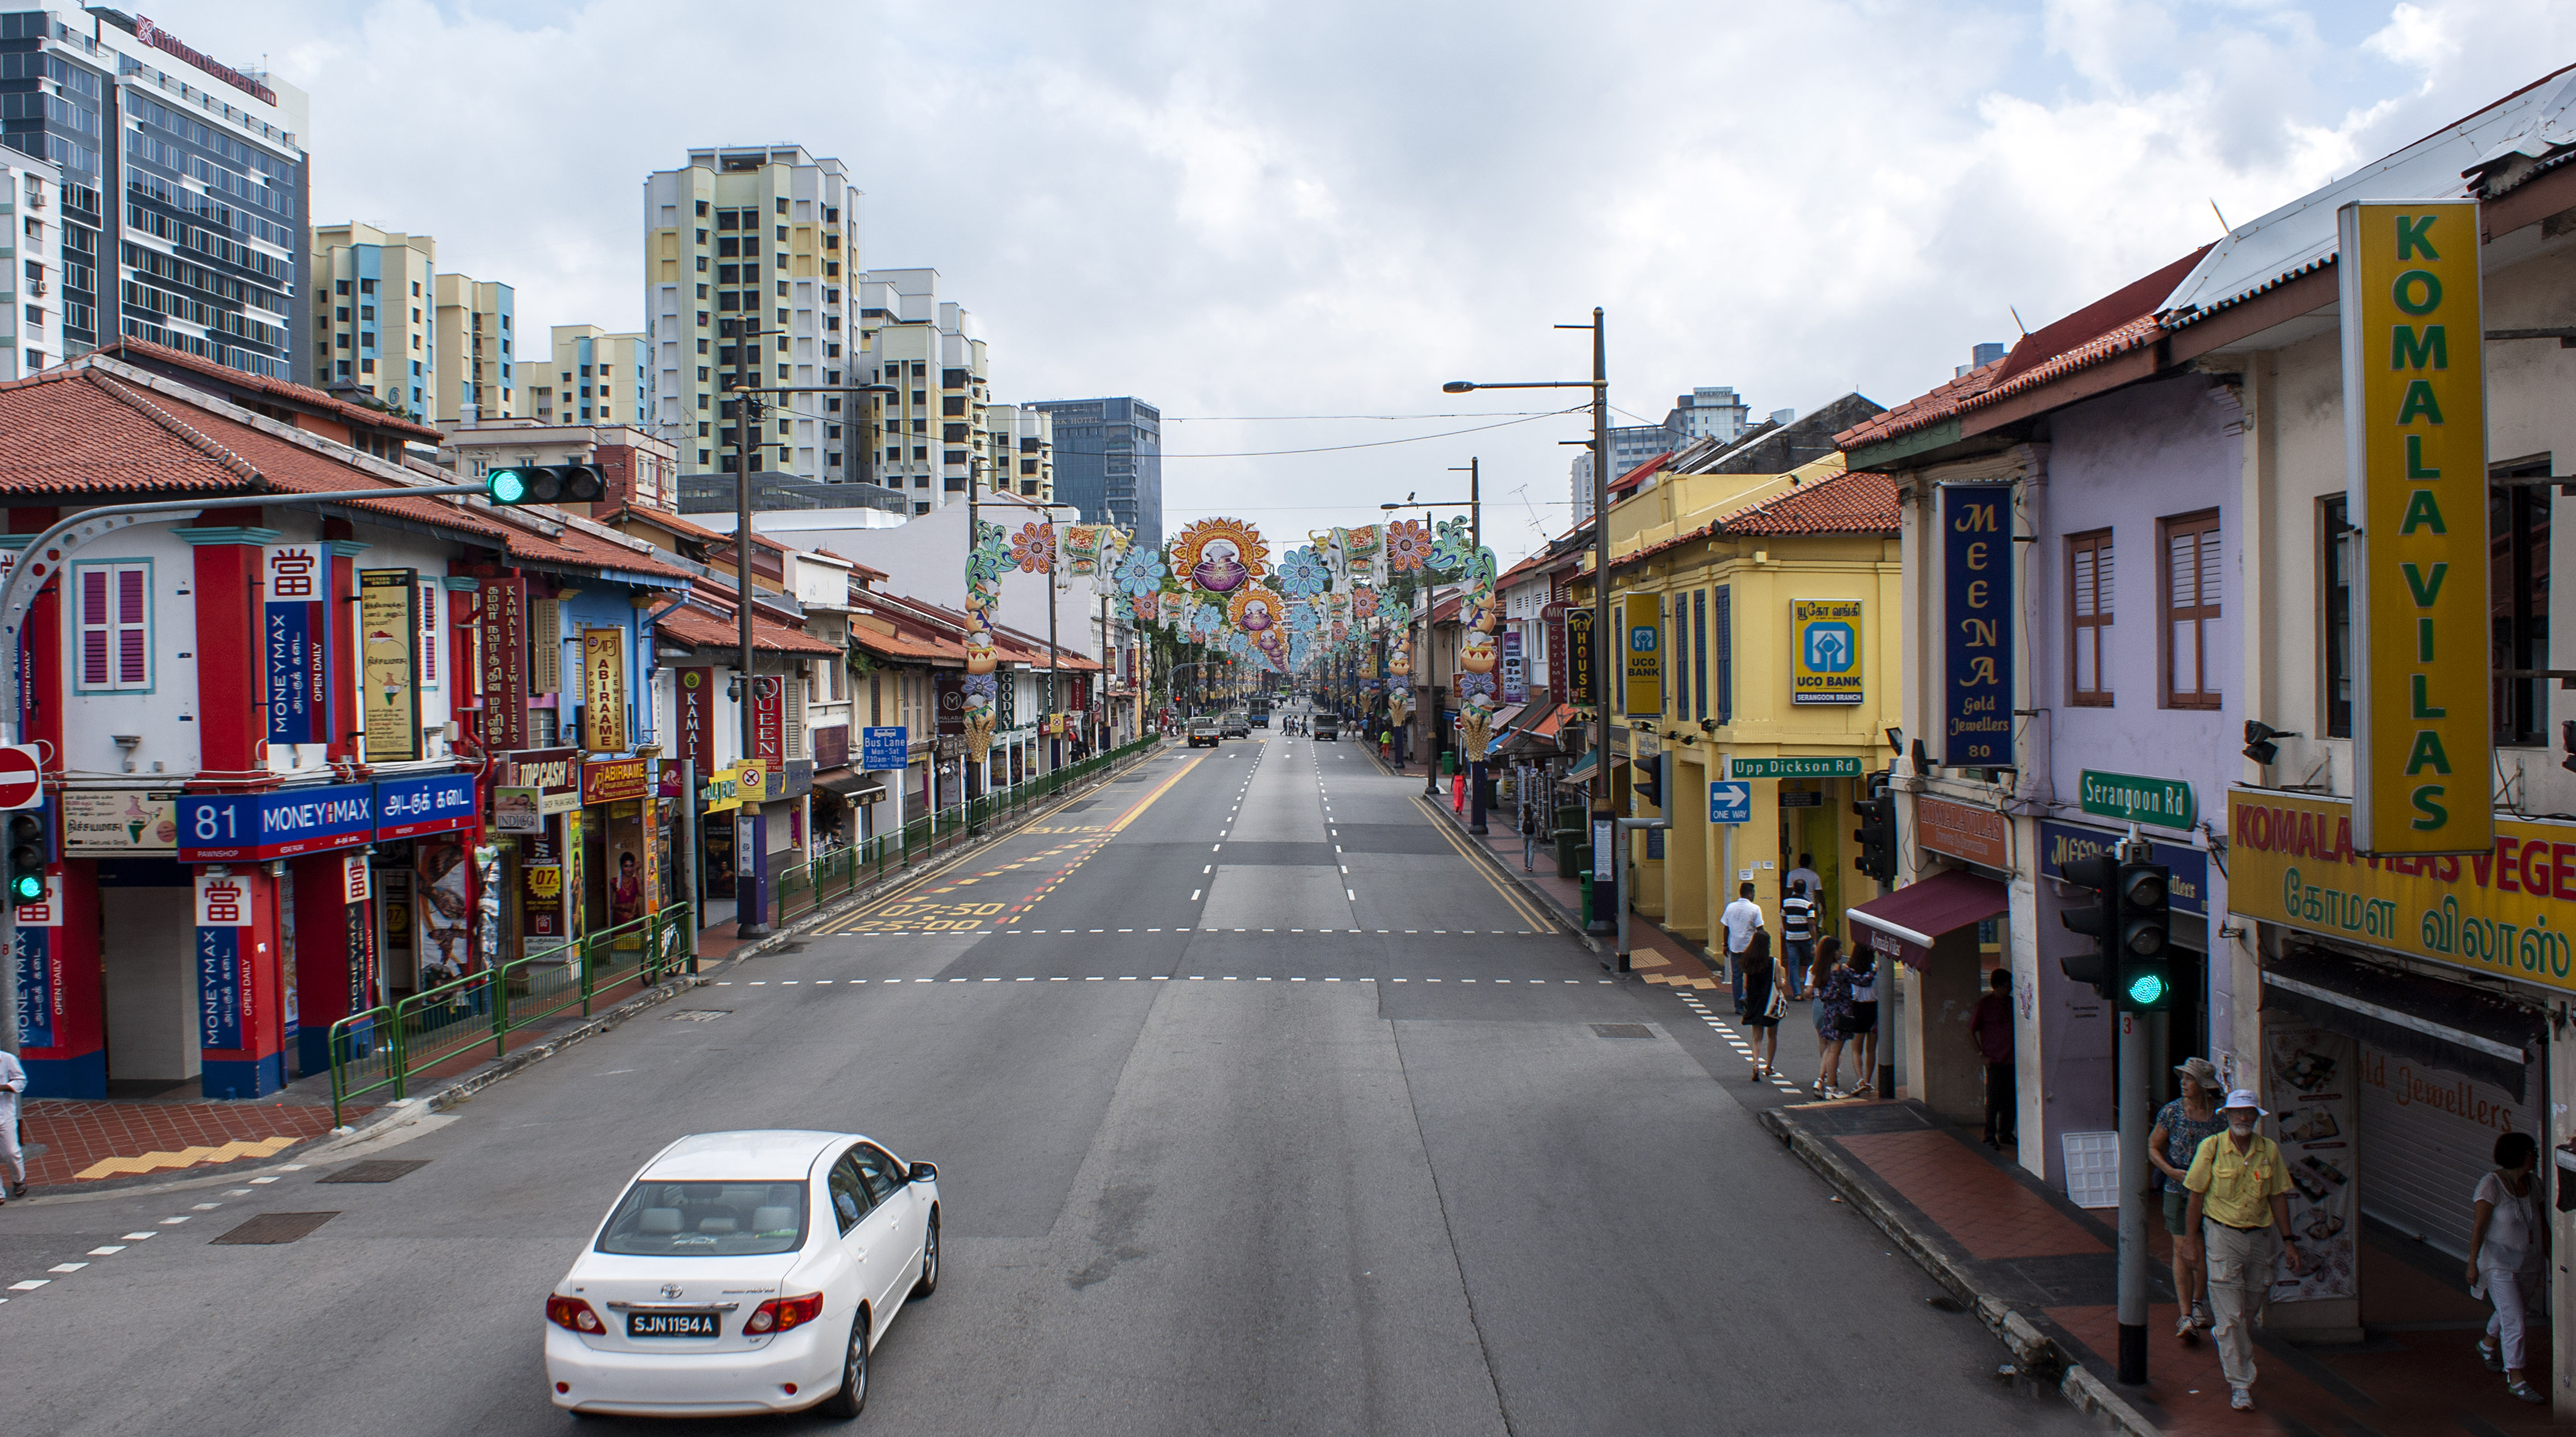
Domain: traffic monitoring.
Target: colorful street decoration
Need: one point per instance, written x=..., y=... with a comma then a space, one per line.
x=1408, y=545
x=1219, y=556
x=1033, y=548
x=1255, y=611
x=991, y=554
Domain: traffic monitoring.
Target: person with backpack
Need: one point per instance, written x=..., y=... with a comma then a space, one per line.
x=1862, y=1026
x=1798, y=934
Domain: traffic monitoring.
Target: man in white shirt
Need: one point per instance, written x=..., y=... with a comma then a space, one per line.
x=1805, y=873
x=13, y=1081
x=1741, y=920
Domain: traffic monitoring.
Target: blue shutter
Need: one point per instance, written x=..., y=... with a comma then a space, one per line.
x=1699, y=647
x=1725, y=654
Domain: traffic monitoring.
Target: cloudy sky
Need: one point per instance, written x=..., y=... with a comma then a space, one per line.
x=1327, y=208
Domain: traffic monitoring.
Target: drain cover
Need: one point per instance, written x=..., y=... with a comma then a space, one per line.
x=270, y=1228
x=696, y=1015
x=1622, y=1030
x=378, y=1170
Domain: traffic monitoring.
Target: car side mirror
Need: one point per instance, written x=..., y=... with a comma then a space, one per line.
x=922, y=1173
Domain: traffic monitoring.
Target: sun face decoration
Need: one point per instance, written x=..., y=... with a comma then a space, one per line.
x=1220, y=556
x=1253, y=610
x=1408, y=545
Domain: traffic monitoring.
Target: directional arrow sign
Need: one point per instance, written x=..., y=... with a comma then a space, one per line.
x=1730, y=803
x=22, y=777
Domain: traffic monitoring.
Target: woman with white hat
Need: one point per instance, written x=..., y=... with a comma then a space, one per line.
x=2240, y=1207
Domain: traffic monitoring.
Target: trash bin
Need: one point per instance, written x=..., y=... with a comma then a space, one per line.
x=1570, y=856
x=1448, y=762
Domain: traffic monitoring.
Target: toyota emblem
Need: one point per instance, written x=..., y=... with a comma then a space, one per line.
x=669, y=1290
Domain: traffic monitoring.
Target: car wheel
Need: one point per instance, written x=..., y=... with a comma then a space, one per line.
x=929, y=1282
x=852, y=1399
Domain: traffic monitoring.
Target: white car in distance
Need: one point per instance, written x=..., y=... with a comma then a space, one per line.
x=743, y=1273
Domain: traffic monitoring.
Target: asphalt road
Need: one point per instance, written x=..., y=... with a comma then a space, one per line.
x=1256, y=1103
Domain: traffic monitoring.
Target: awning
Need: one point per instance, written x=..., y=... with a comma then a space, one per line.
x=1583, y=769
x=2447, y=1025
x=1909, y=921
x=851, y=784
x=1502, y=729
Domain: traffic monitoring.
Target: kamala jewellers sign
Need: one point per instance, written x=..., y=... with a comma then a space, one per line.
x=2415, y=455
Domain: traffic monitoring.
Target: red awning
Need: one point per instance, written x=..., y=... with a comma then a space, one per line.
x=1909, y=921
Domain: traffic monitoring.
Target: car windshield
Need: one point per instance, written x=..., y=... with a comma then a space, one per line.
x=666, y=1219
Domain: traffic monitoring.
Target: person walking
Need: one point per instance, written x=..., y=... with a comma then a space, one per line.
x=1798, y=935
x=1990, y=1032
x=1805, y=876
x=13, y=1083
x=1741, y=920
x=1766, y=1001
x=1831, y=983
x=1862, y=1027
x=2508, y=1244
x=2240, y=1206
x=2181, y=1127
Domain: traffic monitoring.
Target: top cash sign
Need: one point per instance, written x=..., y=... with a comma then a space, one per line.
x=2415, y=454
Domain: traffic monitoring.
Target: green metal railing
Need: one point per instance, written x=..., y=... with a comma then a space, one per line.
x=387, y=1046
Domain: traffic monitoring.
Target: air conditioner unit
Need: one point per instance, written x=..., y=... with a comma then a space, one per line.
x=39, y=288
x=35, y=202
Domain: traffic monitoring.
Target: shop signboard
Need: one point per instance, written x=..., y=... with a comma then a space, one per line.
x=2131, y=798
x=1824, y=651
x=2415, y=479
x=354, y=884
x=769, y=719
x=501, y=636
x=2312, y=1080
x=1551, y=618
x=40, y=982
x=224, y=907
x=729, y=788
x=119, y=821
x=1979, y=835
x=2506, y=911
x=514, y=810
x=615, y=780
x=697, y=719
x=389, y=663
x=831, y=746
x=1515, y=669
x=884, y=747
x=2187, y=868
x=1581, y=685
x=1977, y=623
x=603, y=690
x=296, y=634
x=428, y=803
x=239, y=827
x=1643, y=655
x=948, y=702
x=1795, y=766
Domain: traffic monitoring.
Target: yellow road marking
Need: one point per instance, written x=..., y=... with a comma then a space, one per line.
x=185, y=1157
x=1148, y=800
x=1519, y=904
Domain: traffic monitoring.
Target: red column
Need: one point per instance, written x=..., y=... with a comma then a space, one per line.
x=240, y=990
x=230, y=719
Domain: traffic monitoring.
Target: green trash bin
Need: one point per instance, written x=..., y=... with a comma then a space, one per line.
x=1448, y=762
x=1570, y=857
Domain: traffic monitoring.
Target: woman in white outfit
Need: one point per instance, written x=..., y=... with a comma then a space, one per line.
x=13, y=1163
x=2506, y=1249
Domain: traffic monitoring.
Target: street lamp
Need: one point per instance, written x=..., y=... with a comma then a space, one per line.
x=1599, y=384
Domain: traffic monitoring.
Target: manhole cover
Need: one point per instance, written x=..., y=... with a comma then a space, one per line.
x=1622, y=1030
x=378, y=1170
x=270, y=1228
x=696, y=1015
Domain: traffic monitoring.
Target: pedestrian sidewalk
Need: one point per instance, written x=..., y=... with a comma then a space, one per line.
x=72, y=1141
x=2043, y=1273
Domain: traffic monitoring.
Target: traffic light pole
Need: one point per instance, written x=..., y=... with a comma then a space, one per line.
x=2130, y=1033
x=751, y=855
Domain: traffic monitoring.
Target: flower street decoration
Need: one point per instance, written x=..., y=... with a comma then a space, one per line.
x=1408, y=545
x=1207, y=621
x=1033, y=548
x=1302, y=574
x=1141, y=573
x=1219, y=556
x=1363, y=603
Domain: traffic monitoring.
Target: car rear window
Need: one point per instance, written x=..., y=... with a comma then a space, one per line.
x=665, y=1219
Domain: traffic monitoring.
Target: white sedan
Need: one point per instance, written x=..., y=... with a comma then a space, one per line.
x=743, y=1273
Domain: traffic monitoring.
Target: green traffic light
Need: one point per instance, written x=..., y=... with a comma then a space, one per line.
x=27, y=887
x=2146, y=990
x=507, y=486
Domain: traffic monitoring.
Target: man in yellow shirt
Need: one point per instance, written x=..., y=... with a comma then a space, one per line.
x=2240, y=1197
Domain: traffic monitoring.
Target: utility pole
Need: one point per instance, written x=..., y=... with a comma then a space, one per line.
x=750, y=858
x=1000, y=675
x=1476, y=546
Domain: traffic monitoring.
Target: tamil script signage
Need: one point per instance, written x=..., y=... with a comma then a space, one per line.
x=616, y=780
x=2187, y=884
x=295, y=634
x=1824, y=651
x=603, y=690
x=389, y=662
x=119, y=821
x=2164, y=802
x=1817, y=766
x=234, y=827
x=2505, y=911
x=430, y=803
x=1976, y=618
x=2415, y=457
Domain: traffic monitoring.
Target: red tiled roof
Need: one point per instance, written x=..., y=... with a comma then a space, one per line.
x=141, y=349
x=1859, y=502
x=2113, y=325
x=907, y=646
x=700, y=629
x=1637, y=476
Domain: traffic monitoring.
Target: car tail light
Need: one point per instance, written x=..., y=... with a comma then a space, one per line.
x=781, y=1313
x=573, y=1314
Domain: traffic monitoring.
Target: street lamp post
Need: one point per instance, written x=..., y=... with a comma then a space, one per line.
x=1603, y=839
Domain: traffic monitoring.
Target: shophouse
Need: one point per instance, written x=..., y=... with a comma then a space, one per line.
x=2396, y=1011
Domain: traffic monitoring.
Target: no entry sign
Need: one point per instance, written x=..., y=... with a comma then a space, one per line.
x=22, y=777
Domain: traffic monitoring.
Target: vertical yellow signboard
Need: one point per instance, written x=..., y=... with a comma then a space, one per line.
x=1643, y=655
x=2415, y=454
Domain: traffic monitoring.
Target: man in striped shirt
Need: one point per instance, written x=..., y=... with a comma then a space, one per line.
x=1798, y=936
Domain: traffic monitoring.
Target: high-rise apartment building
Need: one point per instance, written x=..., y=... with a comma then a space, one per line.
x=1709, y=412
x=476, y=351
x=591, y=377
x=757, y=239
x=31, y=307
x=933, y=432
x=183, y=188
x=1109, y=462
x=1020, y=457
x=374, y=301
x=1716, y=412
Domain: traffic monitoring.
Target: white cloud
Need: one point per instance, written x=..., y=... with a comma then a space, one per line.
x=1332, y=207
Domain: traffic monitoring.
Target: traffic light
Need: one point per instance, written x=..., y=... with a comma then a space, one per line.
x=29, y=852
x=2146, y=920
x=2099, y=920
x=1877, y=832
x=544, y=484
